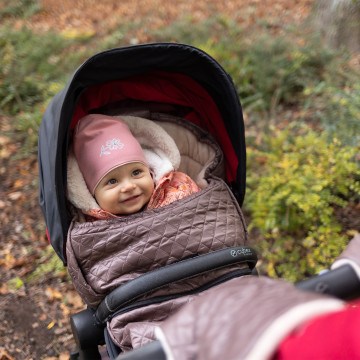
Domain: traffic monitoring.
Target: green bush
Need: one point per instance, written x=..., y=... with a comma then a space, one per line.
x=293, y=185
x=278, y=71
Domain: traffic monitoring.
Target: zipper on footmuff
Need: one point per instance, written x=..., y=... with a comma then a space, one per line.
x=160, y=299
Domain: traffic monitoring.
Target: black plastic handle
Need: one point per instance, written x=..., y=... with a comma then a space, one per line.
x=142, y=285
x=342, y=283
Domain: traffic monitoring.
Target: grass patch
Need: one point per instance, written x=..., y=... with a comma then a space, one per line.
x=33, y=68
x=269, y=72
x=29, y=64
x=19, y=9
x=336, y=109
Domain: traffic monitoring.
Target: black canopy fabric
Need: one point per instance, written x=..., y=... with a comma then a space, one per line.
x=117, y=64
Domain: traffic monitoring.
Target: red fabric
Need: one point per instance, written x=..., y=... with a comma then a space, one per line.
x=166, y=88
x=174, y=186
x=332, y=336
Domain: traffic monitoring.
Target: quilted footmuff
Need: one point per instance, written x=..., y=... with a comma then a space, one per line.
x=105, y=254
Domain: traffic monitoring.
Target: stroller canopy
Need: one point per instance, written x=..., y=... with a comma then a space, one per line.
x=167, y=73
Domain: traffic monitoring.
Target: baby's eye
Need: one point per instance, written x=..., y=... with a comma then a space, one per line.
x=136, y=172
x=111, y=182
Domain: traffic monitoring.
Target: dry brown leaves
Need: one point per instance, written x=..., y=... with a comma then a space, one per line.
x=102, y=17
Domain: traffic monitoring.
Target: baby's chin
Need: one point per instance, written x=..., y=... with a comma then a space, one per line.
x=130, y=211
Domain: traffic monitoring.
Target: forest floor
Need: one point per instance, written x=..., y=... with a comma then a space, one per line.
x=35, y=310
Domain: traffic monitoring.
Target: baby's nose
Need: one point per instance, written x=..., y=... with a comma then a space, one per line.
x=127, y=185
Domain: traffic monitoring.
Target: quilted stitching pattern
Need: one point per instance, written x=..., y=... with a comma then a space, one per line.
x=112, y=252
x=135, y=329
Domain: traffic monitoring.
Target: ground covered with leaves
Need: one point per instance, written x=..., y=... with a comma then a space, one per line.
x=36, y=296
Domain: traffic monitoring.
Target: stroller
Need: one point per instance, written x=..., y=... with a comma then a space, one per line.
x=188, y=94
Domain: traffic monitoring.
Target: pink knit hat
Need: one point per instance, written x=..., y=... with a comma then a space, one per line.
x=102, y=143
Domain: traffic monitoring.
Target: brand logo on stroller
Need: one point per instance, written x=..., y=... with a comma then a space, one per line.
x=239, y=252
x=110, y=145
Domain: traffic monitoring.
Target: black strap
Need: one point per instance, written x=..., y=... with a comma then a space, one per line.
x=142, y=285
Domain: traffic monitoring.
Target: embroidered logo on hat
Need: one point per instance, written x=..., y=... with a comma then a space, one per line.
x=110, y=145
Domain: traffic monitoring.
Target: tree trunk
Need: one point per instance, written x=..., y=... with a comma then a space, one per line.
x=339, y=22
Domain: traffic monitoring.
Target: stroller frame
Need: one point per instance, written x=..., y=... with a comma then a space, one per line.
x=123, y=63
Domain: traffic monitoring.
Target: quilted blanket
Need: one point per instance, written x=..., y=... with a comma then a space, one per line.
x=105, y=254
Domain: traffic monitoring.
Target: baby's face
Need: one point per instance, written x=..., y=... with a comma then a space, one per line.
x=125, y=190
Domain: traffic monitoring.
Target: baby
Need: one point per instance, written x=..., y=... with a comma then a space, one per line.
x=117, y=173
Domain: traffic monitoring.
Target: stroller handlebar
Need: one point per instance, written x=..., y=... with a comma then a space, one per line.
x=341, y=282
x=142, y=285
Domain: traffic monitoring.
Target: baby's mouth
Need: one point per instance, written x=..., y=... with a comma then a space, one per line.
x=131, y=198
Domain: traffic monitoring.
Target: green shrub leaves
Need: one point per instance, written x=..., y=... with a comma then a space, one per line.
x=293, y=186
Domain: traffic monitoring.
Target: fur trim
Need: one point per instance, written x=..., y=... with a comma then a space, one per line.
x=160, y=149
x=77, y=191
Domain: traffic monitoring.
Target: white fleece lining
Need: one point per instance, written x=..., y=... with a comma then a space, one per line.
x=196, y=156
x=284, y=324
x=77, y=191
x=159, y=145
x=342, y=262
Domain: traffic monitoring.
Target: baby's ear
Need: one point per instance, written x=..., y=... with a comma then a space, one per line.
x=96, y=200
x=152, y=174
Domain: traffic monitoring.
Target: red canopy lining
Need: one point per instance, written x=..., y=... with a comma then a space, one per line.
x=170, y=88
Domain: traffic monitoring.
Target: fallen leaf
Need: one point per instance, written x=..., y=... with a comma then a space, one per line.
x=15, y=195
x=11, y=262
x=65, y=309
x=4, y=153
x=51, y=325
x=53, y=294
x=18, y=184
x=3, y=289
x=4, y=140
x=64, y=356
x=4, y=355
x=74, y=299
x=24, y=172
